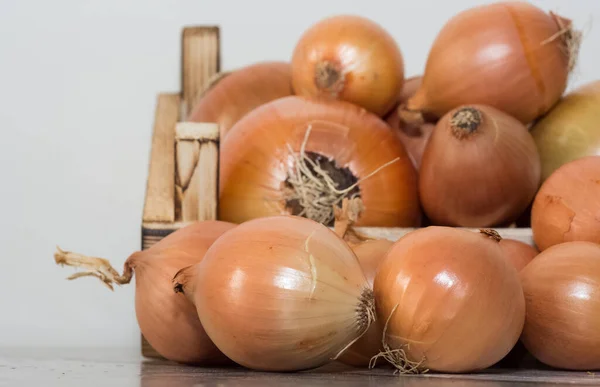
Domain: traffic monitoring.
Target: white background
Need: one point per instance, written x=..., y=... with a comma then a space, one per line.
x=78, y=81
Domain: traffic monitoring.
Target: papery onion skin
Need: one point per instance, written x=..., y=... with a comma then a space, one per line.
x=519, y=254
x=562, y=292
x=571, y=130
x=168, y=321
x=240, y=91
x=370, y=253
x=350, y=58
x=501, y=54
x=413, y=136
x=255, y=160
x=459, y=302
x=280, y=293
x=478, y=175
x=567, y=206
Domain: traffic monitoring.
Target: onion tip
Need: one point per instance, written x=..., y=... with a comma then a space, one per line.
x=490, y=233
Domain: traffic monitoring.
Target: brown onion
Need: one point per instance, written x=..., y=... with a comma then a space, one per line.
x=287, y=156
x=168, y=321
x=509, y=55
x=571, y=130
x=518, y=253
x=280, y=293
x=350, y=58
x=562, y=293
x=370, y=253
x=480, y=168
x=451, y=301
x=567, y=206
x=232, y=95
x=414, y=136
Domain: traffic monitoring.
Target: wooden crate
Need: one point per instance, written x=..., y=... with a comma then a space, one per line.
x=166, y=209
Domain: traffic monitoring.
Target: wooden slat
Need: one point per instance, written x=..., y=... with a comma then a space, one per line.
x=200, y=61
x=393, y=233
x=159, y=205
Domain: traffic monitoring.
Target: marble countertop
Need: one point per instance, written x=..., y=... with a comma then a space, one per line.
x=127, y=368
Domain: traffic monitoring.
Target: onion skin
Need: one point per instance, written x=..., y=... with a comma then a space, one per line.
x=370, y=253
x=478, y=177
x=413, y=136
x=570, y=130
x=567, y=206
x=518, y=253
x=498, y=55
x=350, y=58
x=255, y=160
x=459, y=302
x=562, y=292
x=280, y=294
x=240, y=91
x=168, y=321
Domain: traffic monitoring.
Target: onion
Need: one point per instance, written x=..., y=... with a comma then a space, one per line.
x=232, y=95
x=451, y=301
x=414, y=136
x=518, y=253
x=370, y=253
x=480, y=168
x=280, y=293
x=571, y=130
x=509, y=55
x=567, y=206
x=302, y=156
x=350, y=58
x=168, y=321
x=562, y=293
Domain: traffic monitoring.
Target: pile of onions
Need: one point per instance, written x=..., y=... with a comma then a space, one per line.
x=414, y=136
x=303, y=156
x=480, y=168
x=232, y=95
x=571, y=130
x=168, y=321
x=562, y=292
x=567, y=206
x=349, y=58
x=451, y=301
x=509, y=55
x=280, y=293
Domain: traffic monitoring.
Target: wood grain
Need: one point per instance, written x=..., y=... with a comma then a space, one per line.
x=159, y=205
x=200, y=62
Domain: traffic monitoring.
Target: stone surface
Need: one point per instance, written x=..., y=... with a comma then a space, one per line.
x=126, y=368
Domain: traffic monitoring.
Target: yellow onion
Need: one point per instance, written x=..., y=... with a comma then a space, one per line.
x=451, y=300
x=303, y=156
x=562, y=293
x=349, y=58
x=370, y=253
x=168, y=321
x=232, y=95
x=414, y=136
x=509, y=55
x=280, y=293
x=567, y=206
x=571, y=130
x=480, y=168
